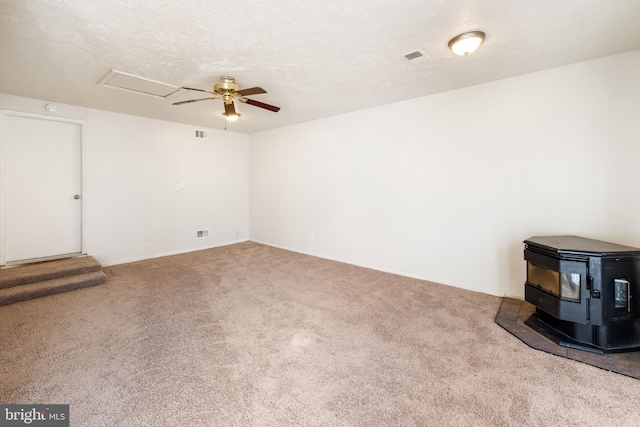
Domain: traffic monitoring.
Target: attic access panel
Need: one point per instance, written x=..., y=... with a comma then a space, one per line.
x=140, y=85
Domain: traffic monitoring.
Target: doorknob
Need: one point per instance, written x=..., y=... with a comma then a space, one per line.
x=77, y=196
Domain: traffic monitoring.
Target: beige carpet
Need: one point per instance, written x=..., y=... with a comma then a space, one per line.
x=250, y=335
x=38, y=280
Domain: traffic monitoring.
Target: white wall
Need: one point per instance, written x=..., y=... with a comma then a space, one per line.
x=446, y=187
x=132, y=166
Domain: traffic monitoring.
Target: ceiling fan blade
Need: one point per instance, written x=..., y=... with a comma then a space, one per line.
x=193, y=100
x=262, y=105
x=199, y=90
x=229, y=109
x=251, y=91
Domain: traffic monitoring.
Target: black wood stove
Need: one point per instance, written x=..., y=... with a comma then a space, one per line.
x=586, y=292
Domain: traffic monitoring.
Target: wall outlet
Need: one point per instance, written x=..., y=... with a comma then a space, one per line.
x=148, y=238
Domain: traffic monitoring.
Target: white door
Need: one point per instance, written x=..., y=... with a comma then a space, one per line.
x=42, y=188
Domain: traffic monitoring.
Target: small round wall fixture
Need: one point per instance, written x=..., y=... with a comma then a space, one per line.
x=51, y=108
x=466, y=43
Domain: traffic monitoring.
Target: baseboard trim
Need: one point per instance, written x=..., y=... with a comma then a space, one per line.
x=163, y=254
x=493, y=292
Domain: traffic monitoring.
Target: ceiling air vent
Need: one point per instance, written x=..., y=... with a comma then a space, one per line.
x=130, y=83
x=416, y=57
x=202, y=134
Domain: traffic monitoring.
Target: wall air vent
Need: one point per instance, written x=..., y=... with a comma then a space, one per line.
x=202, y=134
x=202, y=234
x=416, y=57
x=130, y=83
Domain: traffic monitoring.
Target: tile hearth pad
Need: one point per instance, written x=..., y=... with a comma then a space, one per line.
x=512, y=316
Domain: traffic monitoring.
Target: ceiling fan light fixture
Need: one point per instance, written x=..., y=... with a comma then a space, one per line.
x=229, y=92
x=231, y=117
x=466, y=43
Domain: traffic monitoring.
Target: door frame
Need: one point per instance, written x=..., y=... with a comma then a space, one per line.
x=3, y=138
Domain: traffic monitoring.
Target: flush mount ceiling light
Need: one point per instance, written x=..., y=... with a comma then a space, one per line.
x=466, y=43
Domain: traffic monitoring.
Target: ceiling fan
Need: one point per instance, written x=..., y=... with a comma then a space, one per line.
x=229, y=91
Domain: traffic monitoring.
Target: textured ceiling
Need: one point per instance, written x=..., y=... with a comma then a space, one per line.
x=315, y=58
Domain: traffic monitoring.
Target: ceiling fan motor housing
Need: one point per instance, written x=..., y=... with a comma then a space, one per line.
x=227, y=87
x=227, y=84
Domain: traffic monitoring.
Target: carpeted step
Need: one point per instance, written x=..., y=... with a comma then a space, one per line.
x=51, y=287
x=48, y=270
